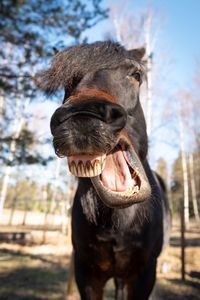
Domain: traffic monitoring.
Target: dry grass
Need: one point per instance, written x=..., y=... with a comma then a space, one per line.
x=38, y=272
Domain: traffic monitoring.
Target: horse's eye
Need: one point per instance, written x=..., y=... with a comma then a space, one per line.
x=137, y=76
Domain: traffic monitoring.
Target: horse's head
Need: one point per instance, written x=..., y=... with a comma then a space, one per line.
x=100, y=126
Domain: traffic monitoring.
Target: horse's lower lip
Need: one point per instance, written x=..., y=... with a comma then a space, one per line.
x=138, y=193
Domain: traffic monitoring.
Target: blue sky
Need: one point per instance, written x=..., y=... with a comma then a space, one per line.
x=179, y=37
x=179, y=31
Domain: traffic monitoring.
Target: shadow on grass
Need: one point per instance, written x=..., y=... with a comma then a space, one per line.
x=188, y=283
x=194, y=274
x=192, y=242
x=31, y=282
x=175, y=289
x=17, y=255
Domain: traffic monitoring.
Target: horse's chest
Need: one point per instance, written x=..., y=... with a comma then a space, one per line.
x=120, y=257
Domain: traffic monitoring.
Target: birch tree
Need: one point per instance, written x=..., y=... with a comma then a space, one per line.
x=185, y=112
x=185, y=172
x=136, y=30
x=17, y=127
x=193, y=188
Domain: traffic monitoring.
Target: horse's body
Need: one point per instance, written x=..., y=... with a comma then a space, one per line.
x=119, y=243
x=120, y=210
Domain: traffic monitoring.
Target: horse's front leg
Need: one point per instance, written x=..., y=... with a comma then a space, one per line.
x=90, y=280
x=142, y=288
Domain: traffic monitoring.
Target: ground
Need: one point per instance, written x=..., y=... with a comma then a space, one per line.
x=40, y=272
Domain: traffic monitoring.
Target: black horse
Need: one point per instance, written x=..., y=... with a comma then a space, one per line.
x=120, y=211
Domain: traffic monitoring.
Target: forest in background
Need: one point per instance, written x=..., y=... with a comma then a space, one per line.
x=31, y=177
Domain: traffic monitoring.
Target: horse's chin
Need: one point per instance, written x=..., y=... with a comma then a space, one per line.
x=118, y=177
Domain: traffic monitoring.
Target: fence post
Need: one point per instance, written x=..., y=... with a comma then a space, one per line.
x=182, y=242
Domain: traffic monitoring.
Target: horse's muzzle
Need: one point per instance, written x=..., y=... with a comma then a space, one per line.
x=111, y=114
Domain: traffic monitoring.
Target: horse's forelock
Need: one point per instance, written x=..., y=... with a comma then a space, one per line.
x=73, y=63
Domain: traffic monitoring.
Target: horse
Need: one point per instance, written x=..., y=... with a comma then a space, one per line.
x=120, y=213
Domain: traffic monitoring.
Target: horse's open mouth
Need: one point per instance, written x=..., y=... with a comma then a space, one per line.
x=118, y=177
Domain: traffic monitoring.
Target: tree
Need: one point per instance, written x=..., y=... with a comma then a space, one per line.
x=188, y=110
x=30, y=30
x=193, y=187
x=184, y=167
x=136, y=30
x=177, y=185
x=162, y=168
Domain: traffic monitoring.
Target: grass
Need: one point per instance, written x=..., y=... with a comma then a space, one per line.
x=30, y=273
x=31, y=277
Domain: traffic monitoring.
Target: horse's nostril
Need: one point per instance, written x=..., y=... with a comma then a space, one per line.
x=114, y=114
x=116, y=117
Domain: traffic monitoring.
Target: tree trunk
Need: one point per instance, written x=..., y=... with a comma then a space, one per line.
x=147, y=30
x=2, y=108
x=182, y=210
x=17, y=127
x=25, y=212
x=185, y=171
x=193, y=188
x=44, y=200
x=53, y=203
x=14, y=202
x=185, y=187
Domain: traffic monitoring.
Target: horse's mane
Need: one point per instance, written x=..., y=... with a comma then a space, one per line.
x=71, y=64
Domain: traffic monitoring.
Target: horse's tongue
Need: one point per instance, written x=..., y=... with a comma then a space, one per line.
x=116, y=175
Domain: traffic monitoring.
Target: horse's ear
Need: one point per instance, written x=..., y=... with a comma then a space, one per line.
x=55, y=50
x=137, y=53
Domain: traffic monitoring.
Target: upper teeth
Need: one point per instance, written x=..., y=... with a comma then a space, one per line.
x=86, y=169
